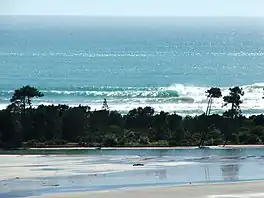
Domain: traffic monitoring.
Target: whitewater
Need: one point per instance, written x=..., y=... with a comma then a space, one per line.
x=167, y=64
x=176, y=98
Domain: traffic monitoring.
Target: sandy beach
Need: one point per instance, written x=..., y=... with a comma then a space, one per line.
x=111, y=173
x=227, y=190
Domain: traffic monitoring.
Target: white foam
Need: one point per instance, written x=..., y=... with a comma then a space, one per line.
x=65, y=148
x=192, y=100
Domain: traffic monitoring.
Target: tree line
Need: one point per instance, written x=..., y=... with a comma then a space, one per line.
x=21, y=125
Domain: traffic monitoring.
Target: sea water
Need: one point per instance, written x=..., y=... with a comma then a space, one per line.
x=38, y=171
x=165, y=63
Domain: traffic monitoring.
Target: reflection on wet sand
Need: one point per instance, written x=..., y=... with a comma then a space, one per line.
x=113, y=169
x=161, y=174
x=207, y=173
x=230, y=172
x=231, y=166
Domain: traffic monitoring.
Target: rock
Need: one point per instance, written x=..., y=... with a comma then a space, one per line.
x=138, y=164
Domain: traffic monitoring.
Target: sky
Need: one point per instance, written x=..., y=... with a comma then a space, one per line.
x=245, y=8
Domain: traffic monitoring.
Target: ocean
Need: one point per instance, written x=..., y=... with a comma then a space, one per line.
x=165, y=63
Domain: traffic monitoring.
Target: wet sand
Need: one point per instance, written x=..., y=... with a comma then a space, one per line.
x=231, y=190
x=38, y=173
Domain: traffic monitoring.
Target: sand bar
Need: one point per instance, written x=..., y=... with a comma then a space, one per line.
x=228, y=190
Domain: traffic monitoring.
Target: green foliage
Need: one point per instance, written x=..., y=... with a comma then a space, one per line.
x=144, y=140
x=160, y=143
x=58, y=125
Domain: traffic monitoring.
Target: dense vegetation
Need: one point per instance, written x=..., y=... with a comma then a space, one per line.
x=22, y=125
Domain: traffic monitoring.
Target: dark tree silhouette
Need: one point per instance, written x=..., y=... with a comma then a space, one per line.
x=105, y=105
x=62, y=125
x=234, y=98
x=23, y=96
x=214, y=92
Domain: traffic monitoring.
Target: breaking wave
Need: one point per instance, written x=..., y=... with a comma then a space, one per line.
x=174, y=98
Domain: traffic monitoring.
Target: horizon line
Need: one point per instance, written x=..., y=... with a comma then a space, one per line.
x=133, y=16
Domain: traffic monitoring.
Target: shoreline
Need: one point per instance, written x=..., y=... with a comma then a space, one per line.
x=230, y=146
x=75, y=147
x=238, y=189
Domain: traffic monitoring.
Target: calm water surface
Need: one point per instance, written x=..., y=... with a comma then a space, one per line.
x=89, y=169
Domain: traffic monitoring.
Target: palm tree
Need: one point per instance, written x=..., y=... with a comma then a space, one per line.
x=214, y=92
x=24, y=95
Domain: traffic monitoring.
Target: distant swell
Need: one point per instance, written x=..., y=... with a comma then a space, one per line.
x=180, y=91
x=131, y=54
x=187, y=100
x=108, y=92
